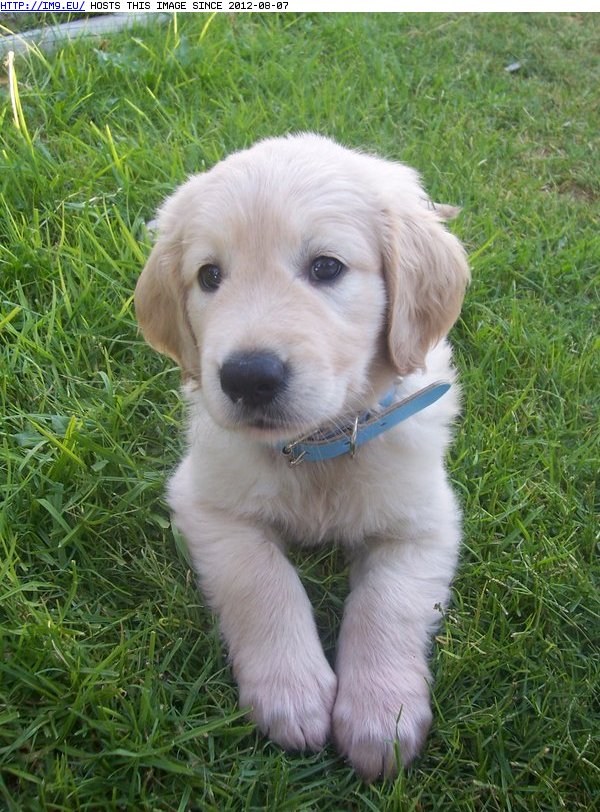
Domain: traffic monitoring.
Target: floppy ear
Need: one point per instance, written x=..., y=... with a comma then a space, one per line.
x=160, y=303
x=426, y=274
x=446, y=212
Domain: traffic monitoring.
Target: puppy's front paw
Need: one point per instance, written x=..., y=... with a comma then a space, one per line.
x=377, y=723
x=292, y=705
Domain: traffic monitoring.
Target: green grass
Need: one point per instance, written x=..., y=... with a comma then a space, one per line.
x=114, y=689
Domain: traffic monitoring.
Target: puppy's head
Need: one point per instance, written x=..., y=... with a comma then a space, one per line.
x=295, y=279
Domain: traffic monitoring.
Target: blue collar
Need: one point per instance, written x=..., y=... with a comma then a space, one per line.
x=327, y=444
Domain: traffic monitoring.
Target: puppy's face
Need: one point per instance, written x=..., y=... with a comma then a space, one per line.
x=294, y=279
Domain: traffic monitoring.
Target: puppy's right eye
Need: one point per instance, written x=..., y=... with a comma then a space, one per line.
x=326, y=269
x=209, y=277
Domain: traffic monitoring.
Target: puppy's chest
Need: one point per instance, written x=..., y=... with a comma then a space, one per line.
x=316, y=503
x=342, y=500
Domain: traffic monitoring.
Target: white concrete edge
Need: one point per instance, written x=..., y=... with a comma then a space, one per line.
x=52, y=36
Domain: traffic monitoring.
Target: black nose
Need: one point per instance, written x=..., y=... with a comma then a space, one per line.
x=255, y=378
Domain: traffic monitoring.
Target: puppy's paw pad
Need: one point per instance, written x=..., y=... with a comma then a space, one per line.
x=377, y=741
x=295, y=712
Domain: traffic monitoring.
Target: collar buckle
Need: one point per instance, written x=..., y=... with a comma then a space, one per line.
x=293, y=459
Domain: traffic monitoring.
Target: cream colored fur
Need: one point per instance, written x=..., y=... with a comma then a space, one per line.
x=262, y=215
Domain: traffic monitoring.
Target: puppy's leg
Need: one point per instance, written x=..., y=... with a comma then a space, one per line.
x=382, y=705
x=267, y=622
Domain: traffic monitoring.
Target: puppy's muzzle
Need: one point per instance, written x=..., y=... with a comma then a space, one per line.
x=254, y=379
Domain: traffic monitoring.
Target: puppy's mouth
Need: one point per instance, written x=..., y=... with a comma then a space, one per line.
x=272, y=425
x=268, y=426
x=265, y=424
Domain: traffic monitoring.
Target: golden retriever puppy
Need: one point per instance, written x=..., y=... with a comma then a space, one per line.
x=305, y=290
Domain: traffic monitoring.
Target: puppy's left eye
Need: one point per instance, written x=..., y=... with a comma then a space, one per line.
x=209, y=277
x=326, y=269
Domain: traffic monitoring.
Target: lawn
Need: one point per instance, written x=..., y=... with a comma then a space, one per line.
x=114, y=689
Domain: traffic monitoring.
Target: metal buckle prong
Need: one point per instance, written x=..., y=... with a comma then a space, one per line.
x=296, y=460
x=353, y=438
